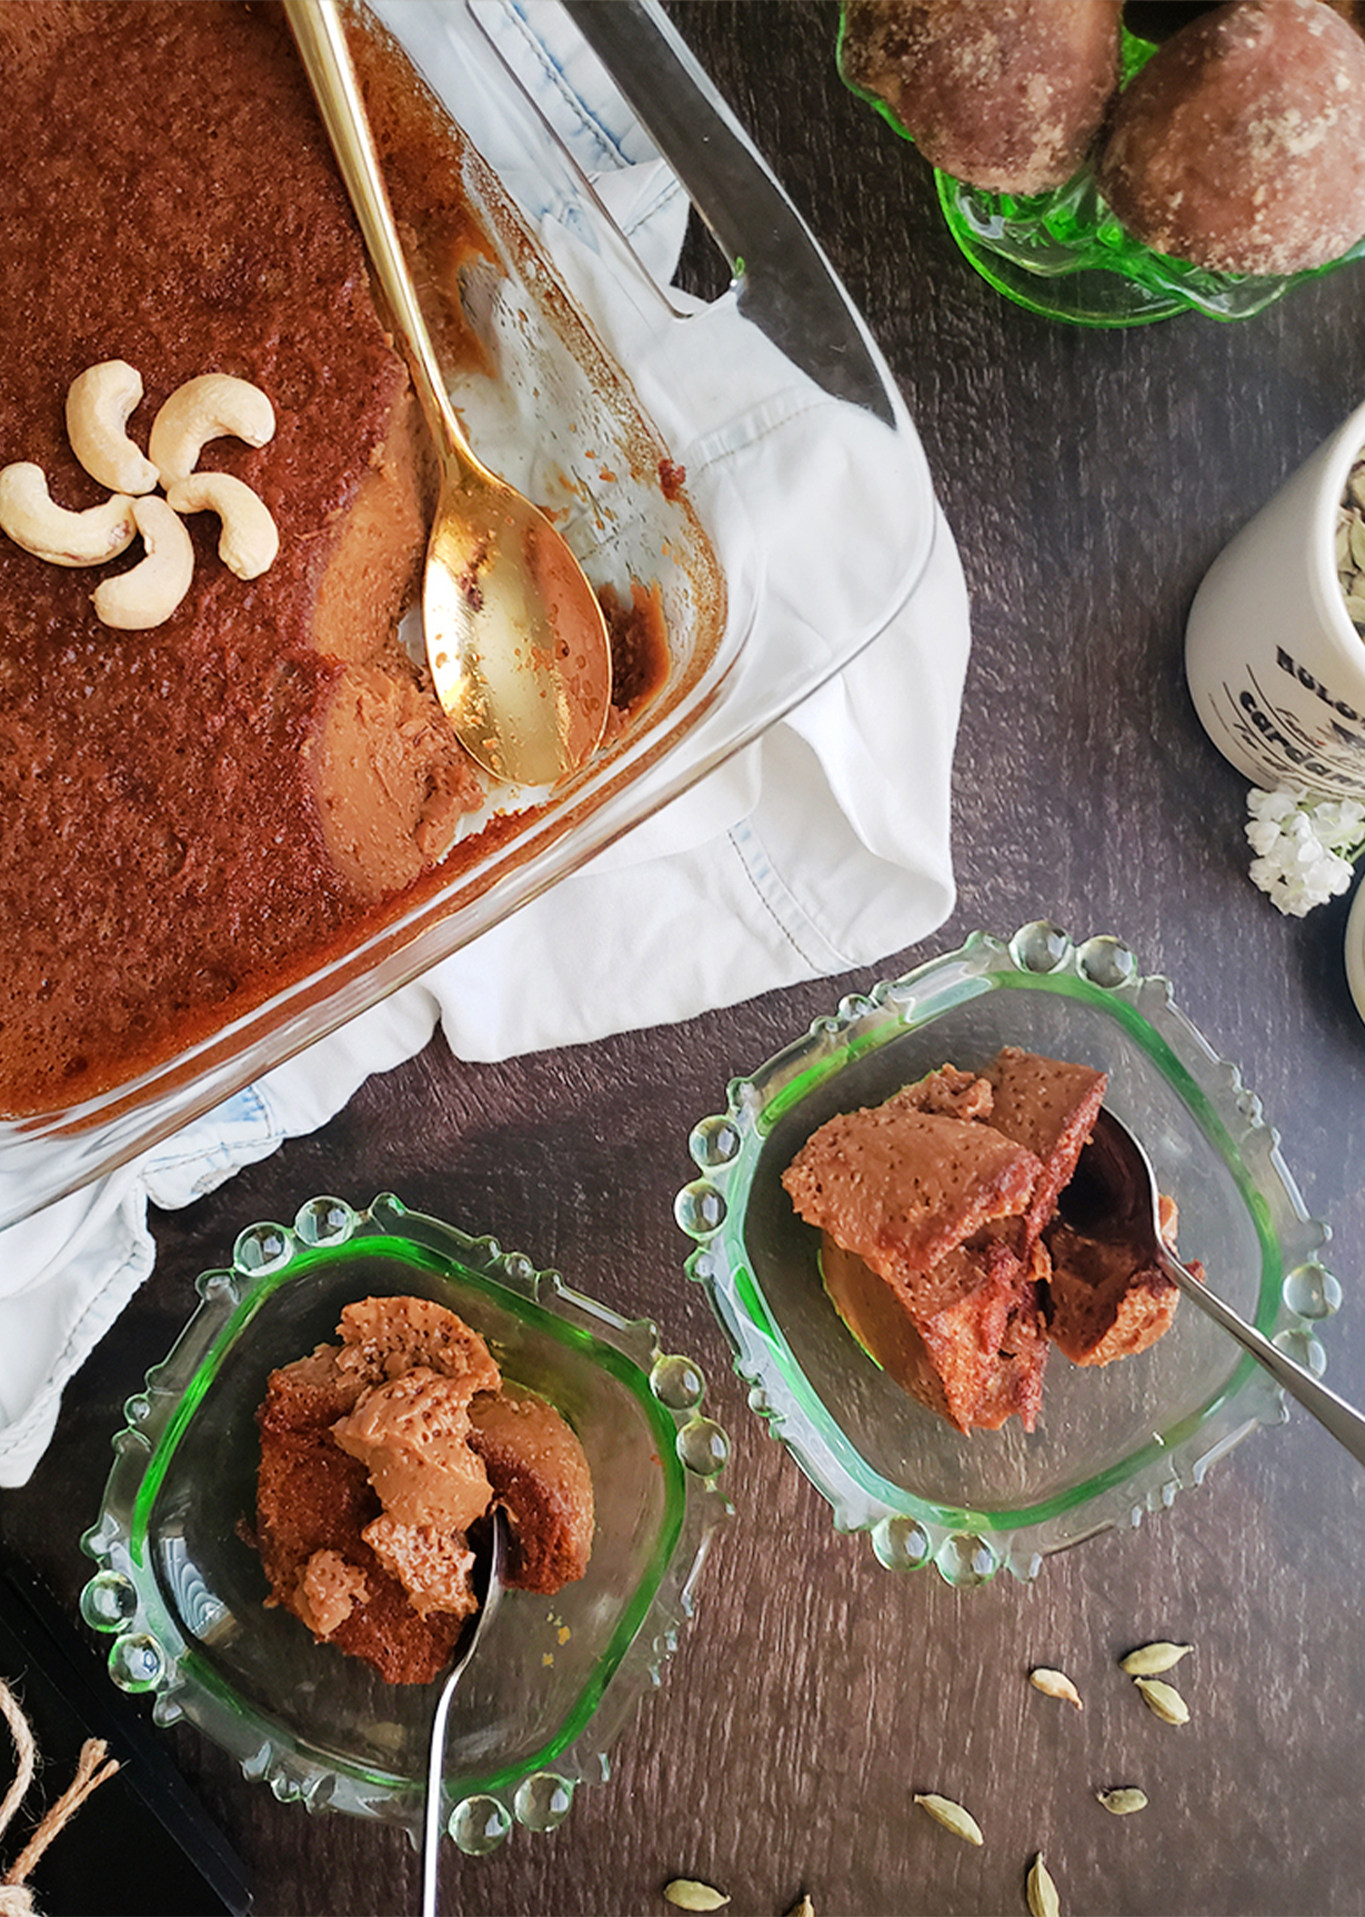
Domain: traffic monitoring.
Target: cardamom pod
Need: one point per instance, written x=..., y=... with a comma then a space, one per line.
x=1123, y=1802
x=1164, y=1699
x=1055, y=1684
x=1151, y=1659
x=687, y=1894
x=804, y=1909
x=952, y=1816
x=1043, y=1900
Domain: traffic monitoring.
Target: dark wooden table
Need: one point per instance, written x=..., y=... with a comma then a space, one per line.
x=1090, y=478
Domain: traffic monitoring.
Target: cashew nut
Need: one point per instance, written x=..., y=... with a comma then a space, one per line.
x=98, y=406
x=34, y=521
x=203, y=409
x=149, y=592
x=248, y=542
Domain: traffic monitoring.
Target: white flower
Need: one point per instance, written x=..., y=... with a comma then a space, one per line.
x=1304, y=847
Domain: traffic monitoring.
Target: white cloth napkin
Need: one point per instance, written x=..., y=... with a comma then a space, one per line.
x=820, y=848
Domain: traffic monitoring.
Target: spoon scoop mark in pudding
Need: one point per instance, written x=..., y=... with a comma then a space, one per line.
x=505, y=603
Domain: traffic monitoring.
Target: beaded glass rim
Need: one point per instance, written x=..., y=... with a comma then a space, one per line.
x=906, y=1531
x=151, y=1653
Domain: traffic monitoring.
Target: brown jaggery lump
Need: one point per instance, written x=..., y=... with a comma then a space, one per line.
x=953, y=1276
x=1241, y=144
x=1008, y=95
x=373, y=1468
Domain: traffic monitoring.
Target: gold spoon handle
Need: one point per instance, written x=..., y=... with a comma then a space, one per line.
x=321, y=40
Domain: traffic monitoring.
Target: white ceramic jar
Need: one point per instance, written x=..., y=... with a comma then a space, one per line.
x=1275, y=666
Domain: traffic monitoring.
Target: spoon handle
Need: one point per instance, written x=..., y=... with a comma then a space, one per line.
x=321, y=41
x=1344, y=1423
x=436, y=1747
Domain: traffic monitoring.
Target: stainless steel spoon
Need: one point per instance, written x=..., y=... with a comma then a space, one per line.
x=490, y=1598
x=515, y=637
x=1114, y=1195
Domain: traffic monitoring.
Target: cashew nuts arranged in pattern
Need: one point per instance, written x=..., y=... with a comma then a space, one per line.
x=202, y=409
x=248, y=542
x=98, y=407
x=150, y=591
x=99, y=404
x=34, y=521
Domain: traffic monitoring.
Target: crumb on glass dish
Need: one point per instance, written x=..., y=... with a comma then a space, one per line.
x=180, y=1590
x=1110, y=1445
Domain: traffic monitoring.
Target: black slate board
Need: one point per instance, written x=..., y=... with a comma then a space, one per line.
x=141, y=1845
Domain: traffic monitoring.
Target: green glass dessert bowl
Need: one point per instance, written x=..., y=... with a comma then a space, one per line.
x=180, y=1592
x=1112, y=1443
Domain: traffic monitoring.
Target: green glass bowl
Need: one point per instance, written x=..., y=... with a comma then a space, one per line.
x=1112, y=1443
x=1063, y=253
x=182, y=1594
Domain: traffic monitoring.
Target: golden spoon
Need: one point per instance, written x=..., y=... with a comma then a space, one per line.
x=515, y=637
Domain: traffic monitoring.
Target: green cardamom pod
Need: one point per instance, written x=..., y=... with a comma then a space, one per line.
x=1043, y=1900
x=687, y=1894
x=1164, y=1699
x=952, y=1816
x=1149, y=1660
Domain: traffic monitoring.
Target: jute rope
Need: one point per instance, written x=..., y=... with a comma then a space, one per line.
x=93, y=1767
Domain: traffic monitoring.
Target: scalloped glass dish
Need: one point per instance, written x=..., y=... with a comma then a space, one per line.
x=182, y=1594
x=1064, y=255
x=1112, y=1443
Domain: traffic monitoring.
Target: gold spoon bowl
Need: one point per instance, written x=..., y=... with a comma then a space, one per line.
x=515, y=637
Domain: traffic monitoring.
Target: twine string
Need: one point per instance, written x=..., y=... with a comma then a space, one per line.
x=93, y=1768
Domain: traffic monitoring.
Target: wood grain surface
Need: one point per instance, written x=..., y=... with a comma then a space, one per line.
x=1089, y=478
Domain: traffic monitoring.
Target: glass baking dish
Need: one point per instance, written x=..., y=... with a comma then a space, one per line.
x=567, y=423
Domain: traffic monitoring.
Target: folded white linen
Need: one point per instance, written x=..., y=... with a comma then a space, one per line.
x=820, y=848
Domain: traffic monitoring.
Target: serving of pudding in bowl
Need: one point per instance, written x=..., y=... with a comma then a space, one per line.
x=281, y=1550
x=1110, y=1442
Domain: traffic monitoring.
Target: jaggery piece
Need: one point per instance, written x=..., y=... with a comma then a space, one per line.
x=902, y=1187
x=1008, y=94
x=539, y=1474
x=1049, y=1107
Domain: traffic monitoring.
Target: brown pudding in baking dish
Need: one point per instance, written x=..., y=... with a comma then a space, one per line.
x=200, y=813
